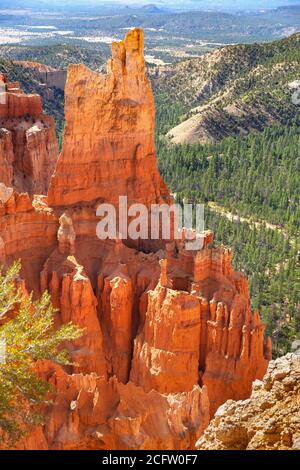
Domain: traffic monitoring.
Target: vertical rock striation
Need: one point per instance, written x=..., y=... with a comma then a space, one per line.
x=203, y=334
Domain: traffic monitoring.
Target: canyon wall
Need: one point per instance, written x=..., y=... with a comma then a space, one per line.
x=28, y=146
x=169, y=334
x=47, y=75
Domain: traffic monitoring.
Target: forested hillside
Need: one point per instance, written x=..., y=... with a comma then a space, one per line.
x=58, y=56
x=250, y=187
x=256, y=175
x=250, y=184
x=232, y=91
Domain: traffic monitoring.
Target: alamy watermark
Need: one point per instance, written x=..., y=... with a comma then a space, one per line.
x=159, y=221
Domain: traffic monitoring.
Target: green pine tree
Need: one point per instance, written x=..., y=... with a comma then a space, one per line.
x=27, y=334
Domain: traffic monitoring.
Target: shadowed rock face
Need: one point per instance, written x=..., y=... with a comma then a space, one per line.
x=28, y=145
x=169, y=334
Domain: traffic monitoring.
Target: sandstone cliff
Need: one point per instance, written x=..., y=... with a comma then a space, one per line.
x=28, y=146
x=169, y=334
x=109, y=133
x=268, y=420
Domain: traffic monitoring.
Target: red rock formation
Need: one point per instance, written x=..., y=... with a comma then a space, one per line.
x=109, y=133
x=117, y=311
x=6, y=157
x=15, y=104
x=206, y=334
x=28, y=231
x=92, y=413
x=168, y=335
x=166, y=355
x=28, y=145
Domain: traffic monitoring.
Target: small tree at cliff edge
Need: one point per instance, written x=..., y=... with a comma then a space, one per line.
x=26, y=329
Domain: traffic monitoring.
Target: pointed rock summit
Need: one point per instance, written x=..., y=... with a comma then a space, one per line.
x=108, y=146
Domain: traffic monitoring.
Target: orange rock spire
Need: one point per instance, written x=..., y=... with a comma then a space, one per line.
x=108, y=147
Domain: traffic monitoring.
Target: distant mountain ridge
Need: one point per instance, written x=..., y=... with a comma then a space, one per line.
x=151, y=8
x=233, y=90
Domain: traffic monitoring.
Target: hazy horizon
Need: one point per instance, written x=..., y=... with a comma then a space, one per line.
x=225, y=5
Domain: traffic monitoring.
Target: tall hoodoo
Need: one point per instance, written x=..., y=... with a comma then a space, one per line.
x=108, y=148
x=168, y=335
